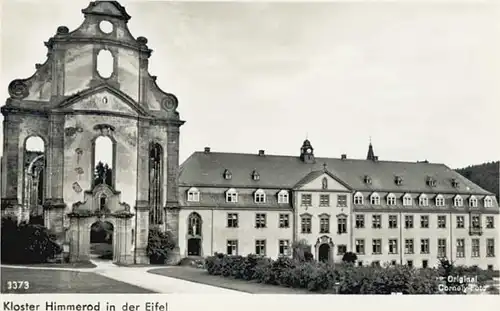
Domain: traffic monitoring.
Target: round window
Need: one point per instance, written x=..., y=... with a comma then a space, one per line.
x=106, y=26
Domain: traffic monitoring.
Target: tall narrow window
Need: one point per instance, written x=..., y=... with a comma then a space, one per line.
x=103, y=161
x=34, y=186
x=155, y=183
x=194, y=224
x=105, y=64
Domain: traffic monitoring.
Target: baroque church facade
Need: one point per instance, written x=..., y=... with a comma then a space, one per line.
x=385, y=211
x=72, y=101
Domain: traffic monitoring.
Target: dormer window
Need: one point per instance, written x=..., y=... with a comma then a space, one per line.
x=255, y=175
x=488, y=202
x=439, y=200
x=473, y=201
x=358, y=199
x=423, y=200
x=231, y=196
x=398, y=180
x=283, y=197
x=227, y=175
x=455, y=183
x=367, y=180
x=193, y=195
x=458, y=201
x=260, y=196
x=431, y=182
x=391, y=199
x=375, y=199
x=407, y=200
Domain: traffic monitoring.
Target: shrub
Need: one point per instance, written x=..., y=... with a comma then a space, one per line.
x=301, y=250
x=322, y=277
x=27, y=243
x=159, y=245
x=350, y=257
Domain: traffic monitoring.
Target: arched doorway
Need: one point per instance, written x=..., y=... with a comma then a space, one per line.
x=324, y=253
x=101, y=240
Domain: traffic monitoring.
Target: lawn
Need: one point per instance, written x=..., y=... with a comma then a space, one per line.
x=71, y=265
x=57, y=281
x=201, y=276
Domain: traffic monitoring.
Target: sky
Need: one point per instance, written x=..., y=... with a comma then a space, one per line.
x=421, y=79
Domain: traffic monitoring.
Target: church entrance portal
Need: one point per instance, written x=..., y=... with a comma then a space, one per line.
x=101, y=240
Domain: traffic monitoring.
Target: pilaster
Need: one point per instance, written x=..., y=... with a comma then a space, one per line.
x=142, y=232
x=10, y=163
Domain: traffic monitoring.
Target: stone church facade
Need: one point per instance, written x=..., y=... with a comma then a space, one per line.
x=69, y=102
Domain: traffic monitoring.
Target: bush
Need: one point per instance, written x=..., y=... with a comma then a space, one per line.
x=350, y=257
x=27, y=243
x=322, y=277
x=159, y=245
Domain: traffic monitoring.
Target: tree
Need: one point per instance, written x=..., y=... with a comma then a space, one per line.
x=301, y=250
x=349, y=257
x=486, y=175
x=103, y=174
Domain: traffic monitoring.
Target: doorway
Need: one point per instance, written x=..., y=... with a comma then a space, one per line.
x=101, y=240
x=324, y=253
x=194, y=247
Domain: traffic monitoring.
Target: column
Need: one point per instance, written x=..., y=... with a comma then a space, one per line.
x=10, y=163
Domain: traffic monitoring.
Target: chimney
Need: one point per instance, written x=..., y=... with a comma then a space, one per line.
x=207, y=149
x=343, y=157
x=261, y=153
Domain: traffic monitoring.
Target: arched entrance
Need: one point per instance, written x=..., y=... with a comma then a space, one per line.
x=324, y=253
x=101, y=240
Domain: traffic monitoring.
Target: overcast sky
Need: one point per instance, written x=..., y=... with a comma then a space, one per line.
x=422, y=79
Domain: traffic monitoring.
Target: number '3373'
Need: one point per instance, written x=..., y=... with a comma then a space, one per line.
x=14, y=285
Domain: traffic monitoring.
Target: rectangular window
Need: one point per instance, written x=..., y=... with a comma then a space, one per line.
x=305, y=223
x=393, y=246
x=376, y=221
x=284, y=247
x=306, y=200
x=360, y=221
x=358, y=199
x=284, y=221
x=232, y=220
x=490, y=222
x=409, y=221
x=441, y=221
x=424, y=221
x=324, y=200
x=342, y=200
x=476, y=222
x=393, y=262
x=424, y=246
x=490, y=247
x=324, y=225
x=475, y=247
x=260, y=247
x=409, y=263
x=460, y=222
x=360, y=246
x=409, y=246
x=425, y=263
x=260, y=220
x=460, y=248
x=341, y=249
x=441, y=248
x=376, y=263
x=283, y=197
x=341, y=225
x=393, y=221
x=377, y=246
x=232, y=247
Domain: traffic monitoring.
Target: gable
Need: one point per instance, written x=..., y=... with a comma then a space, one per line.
x=317, y=184
x=103, y=100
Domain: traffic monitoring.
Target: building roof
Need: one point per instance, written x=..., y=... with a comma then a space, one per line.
x=284, y=172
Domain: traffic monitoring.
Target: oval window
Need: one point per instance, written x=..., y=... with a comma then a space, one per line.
x=105, y=63
x=106, y=27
